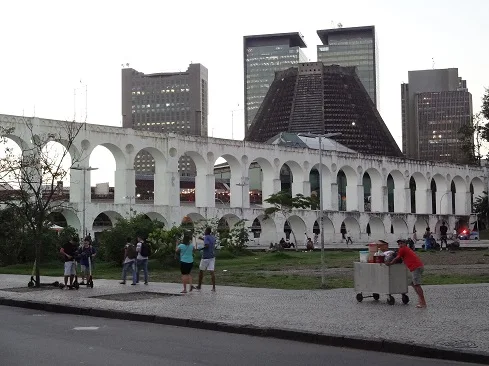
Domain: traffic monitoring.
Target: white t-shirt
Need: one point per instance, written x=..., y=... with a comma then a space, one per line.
x=138, y=249
x=127, y=259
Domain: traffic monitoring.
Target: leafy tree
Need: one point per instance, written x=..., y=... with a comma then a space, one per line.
x=31, y=179
x=283, y=203
x=164, y=242
x=485, y=105
x=112, y=241
x=237, y=239
x=471, y=136
x=481, y=207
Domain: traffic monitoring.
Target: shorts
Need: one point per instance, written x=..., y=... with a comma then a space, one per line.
x=207, y=264
x=84, y=268
x=69, y=268
x=186, y=268
x=417, y=275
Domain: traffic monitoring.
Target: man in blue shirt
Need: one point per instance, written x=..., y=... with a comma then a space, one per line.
x=208, y=261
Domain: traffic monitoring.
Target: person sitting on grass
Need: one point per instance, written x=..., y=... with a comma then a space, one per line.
x=414, y=264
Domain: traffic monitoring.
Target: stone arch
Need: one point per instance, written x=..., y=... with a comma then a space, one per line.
x=105, y=220
x=265, y=178
x=347, y=182
x=396, y=192
x=194, y=183
x=326, y=185
x=231, y=186
x=441, y=198
x=418, y=193
x=476, y=190
x=373, y=197
x=299, y=228
x=351, y=224
x=231, y=219
x=147, y=189
x=267, y=230
x=69, y=218
x=328, y=228
x=297, y=177
x=377, y=228
x=420, y=226
x=459, y=195
x=400, y=228
x=155, y=216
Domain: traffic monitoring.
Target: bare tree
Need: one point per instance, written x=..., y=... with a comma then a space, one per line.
x=32, y=180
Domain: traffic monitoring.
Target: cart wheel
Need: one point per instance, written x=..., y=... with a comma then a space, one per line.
x=90, y=284
x=56, y=283
x=405, y=298
x=30, y=284
x=391, y=300
x=61, y=286
x=76, y=285
x=376, y=296
x=359, y=297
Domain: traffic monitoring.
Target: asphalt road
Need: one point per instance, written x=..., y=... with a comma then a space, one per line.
x=29, y=337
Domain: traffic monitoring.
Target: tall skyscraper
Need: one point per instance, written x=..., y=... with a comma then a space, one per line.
x=263, y=55
x=323, y=99
x=435, y=104
x=355, y=46
x=165, y=102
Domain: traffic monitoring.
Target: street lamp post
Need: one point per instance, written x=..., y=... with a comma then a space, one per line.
x=321, y=195
x=84, y=170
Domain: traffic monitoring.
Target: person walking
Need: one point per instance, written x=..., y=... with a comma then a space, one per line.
x=130, y=255
x=348, y=238
x=208, y=260
x=142, y=259
x=186, y=252
x=415, y=266
x=443, y=236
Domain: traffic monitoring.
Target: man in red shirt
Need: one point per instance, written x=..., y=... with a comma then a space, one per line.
x=414, y=264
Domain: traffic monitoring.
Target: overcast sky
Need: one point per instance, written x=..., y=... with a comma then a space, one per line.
x=47, y=47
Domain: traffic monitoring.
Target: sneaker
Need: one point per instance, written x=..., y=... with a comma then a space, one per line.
x=123, y=282
x=146, y=283
x=133, y=284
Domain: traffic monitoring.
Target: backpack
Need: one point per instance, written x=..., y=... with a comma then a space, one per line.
x=145, y=249
x=131, y=251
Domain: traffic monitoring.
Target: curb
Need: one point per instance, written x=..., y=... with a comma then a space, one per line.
x=361, y=343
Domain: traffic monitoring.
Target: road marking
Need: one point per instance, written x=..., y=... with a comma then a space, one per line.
x=85, y=328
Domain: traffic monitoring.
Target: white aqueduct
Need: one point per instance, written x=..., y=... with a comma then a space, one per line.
x=456, y=186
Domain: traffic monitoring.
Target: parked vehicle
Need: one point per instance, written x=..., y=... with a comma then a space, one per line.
x=466, y=234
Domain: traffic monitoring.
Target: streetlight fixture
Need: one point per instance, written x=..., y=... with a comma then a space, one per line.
x=321, y=195
x=84, y=170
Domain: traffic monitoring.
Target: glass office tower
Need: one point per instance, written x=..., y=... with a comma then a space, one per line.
x=263, y=56
x=352, y=47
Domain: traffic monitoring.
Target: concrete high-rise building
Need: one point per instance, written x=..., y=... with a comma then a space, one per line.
x=355, y=46
x=165, y=102
x=264, y=55
x=435, y=104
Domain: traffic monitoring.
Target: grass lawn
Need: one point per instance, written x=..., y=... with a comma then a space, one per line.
x=289, y=270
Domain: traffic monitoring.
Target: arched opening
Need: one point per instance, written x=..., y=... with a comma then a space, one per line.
x=460, y=206
x=107, y=181
x=286, y=178
x=399, y=228
x=412, y=191
x=420, y=226
x=264, y=230
x=261, y=180
x=155, y=216
x=328, y=228
x=453, y=193
x=476, y=190
x=193, y=184
x=433, y=196
x=298, y=226
x=231, y=188
x=58, y=219
x=351, y=227
x=316, y=190
x=149, y=167
x=341, y=181
x=105, y=220
x=377, y=228
x=367, y=192
x=390, y=193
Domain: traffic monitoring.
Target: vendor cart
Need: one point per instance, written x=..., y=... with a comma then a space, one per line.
x=378, y=279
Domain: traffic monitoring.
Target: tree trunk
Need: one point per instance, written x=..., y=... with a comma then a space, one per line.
x=37, y=262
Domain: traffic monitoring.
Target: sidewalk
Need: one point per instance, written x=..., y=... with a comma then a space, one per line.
x=454, y=326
